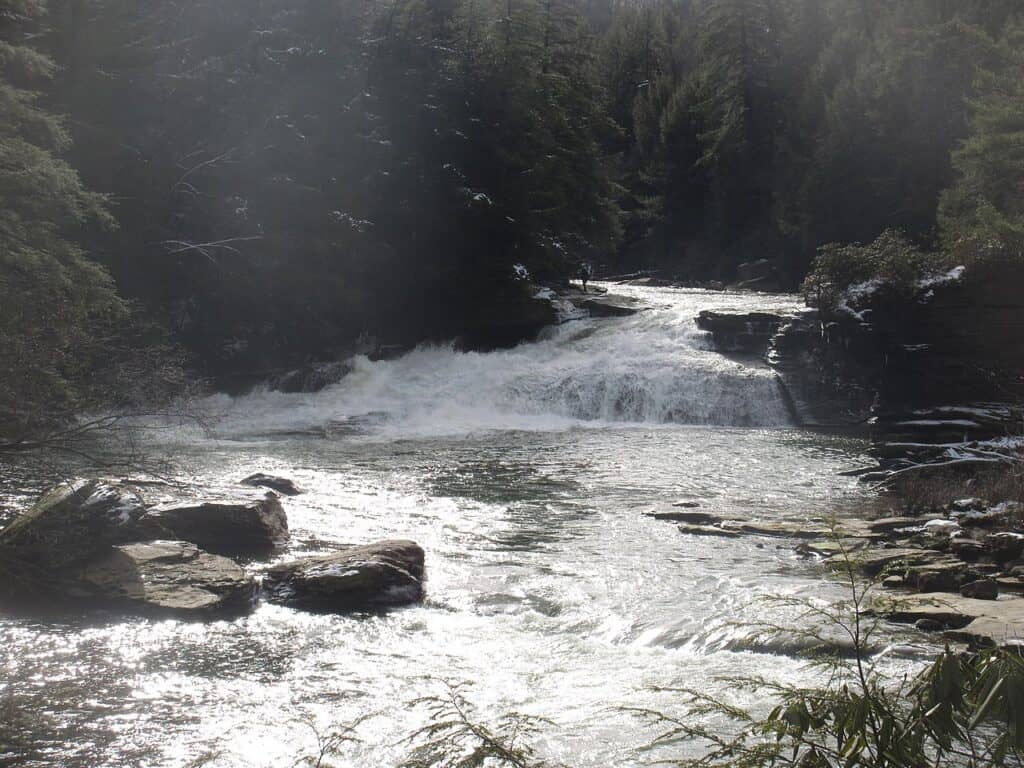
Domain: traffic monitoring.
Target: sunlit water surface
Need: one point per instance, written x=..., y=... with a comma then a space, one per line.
x=524, y=474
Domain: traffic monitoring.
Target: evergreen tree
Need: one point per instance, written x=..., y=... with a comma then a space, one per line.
x=57, y=307
x=982, y=214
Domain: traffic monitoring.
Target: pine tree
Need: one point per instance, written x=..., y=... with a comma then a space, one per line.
x=982, y=214
x=56, y=305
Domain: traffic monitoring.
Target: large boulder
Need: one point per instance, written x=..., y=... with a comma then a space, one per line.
x=168, y=578
x=282, y=485
x=235, y=529
x=385, y=573
x=73, y=522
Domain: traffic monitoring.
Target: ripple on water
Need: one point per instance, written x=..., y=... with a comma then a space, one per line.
x=549, y=591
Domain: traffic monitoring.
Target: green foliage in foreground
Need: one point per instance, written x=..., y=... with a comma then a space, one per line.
x=455, y=738
x=961, y=711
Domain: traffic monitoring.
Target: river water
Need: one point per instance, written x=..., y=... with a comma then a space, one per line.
x=524, y=474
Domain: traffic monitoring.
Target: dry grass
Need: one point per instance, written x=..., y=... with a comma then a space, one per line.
x=922, y=492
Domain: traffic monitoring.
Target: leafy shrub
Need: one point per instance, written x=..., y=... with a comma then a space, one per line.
x=891, y=261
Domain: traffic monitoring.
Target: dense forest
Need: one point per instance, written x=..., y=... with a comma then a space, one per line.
x=227, y=187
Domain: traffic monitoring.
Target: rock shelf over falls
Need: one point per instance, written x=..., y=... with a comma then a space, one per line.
x=934, y=379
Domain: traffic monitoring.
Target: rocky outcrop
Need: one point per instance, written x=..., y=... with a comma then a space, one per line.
x=282, y=485
x=167, y=578
x=95, y=544
x=920, y=367
x=235, y=529
x=742, y=332
x=964, y=619
x=386, y=573
x=74, y=521
x=311, y=377
x=760, y=275
x=505, y=314
x=829, y=378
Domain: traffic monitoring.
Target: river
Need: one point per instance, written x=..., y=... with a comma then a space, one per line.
x=524, y=474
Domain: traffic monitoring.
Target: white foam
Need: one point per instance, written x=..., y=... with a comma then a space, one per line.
x=651, y=368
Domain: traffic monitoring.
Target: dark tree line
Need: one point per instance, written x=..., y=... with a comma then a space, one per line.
x=266, y=182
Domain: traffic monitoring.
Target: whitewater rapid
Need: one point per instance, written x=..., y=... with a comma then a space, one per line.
x=655, y=367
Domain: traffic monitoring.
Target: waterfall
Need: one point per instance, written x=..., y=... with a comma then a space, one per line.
x=655, y=367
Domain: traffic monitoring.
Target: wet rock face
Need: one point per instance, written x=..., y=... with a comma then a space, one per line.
x=168, y=578
x=312, y=377
x=741, y=332
x=386, y=573
x=72, y=522
x=234, y=529
x=829, y=371
x=930, y=365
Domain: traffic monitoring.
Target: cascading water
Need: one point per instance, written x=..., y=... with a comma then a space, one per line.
x=653, y=368
x=525, y=475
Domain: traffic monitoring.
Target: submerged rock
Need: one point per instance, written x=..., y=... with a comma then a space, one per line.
x=169, y=577
x=74, y=521
x=386, y=573
x=695, y=518
x=282, y=485
x=235, y=529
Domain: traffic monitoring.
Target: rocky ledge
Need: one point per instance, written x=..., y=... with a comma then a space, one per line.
x=599, y=303
x=95, y=545
x=741, y=332
x=969, y=553
x=963, y=619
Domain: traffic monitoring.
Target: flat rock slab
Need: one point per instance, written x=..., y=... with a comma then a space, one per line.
x=169, y=578
x=703, y=524
x=781, y=530
x=890, y=524
x=695, y=518
x=692, y=529
x=985, y=622
x=830, y=547
x=877, y=560
x=234, y=529
x=607, y=306
x=386, y=573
